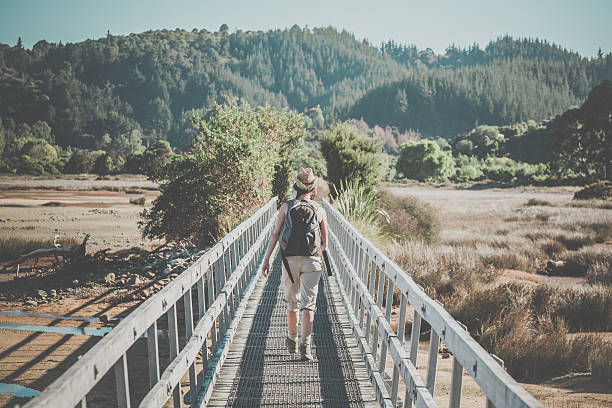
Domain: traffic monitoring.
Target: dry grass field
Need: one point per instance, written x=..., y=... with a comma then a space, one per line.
x=528, y=270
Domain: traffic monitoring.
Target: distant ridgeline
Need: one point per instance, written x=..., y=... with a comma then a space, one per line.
x=117, y=93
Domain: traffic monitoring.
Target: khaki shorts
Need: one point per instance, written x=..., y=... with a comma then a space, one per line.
x=306, y=272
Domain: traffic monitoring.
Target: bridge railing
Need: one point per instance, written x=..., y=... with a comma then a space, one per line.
x=218, y=281
x=364, y=272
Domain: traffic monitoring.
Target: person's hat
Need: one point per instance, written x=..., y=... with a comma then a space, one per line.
x=306, y=180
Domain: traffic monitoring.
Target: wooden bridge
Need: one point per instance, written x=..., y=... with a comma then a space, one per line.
x=215, y=337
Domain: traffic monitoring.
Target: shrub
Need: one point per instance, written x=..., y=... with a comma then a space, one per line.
x=351, y=155
x=227, y=173
x=602, y=190
x=39, y=150
x=80, y=162
x=588, y=309
x=536, y=202
x=104, y=164
x=137, y=201
x=425, y=160
x=155, y=157
x=601, y=363
x=527, y=329
x=467, y=169
x=409, y=220
x=441, y=270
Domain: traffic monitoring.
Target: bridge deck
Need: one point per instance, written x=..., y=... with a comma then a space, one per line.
x=260, y=372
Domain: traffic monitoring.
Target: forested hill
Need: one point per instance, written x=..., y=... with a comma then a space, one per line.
x=509, y=81
x=151, y=81
x=119, y=90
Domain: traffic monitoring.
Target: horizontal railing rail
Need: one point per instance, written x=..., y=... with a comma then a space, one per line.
x=364, y=272
x=219, y=280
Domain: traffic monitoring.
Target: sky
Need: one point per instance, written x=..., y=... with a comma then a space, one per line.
x=582, y=26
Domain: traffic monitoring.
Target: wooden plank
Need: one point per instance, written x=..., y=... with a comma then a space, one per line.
x=201, y=311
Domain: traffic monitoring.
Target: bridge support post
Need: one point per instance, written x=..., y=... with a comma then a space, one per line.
x=121, y=383
x=456, y=382
x=193, y=386
x=174, y=350
x=153, y=354
x=401, y=330
x=201, y=311
x=432, y=363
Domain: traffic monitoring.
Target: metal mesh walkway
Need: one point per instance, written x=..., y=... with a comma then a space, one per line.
x=259, y=372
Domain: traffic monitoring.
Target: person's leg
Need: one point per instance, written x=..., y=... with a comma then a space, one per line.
x=292, y=323
x=309, y=289
x=291, y=291
x=307, y=320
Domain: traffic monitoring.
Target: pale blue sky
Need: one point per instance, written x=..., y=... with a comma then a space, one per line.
x=580, y=26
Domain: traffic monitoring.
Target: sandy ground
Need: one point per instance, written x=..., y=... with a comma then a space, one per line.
x=35, y=359
x=106, y=215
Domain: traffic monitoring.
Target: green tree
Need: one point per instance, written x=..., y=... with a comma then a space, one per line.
x=104, y=164
x=425, y=160
x=351, y=156
x=155, y=157
x=39, y=151
x=582, y=136
x=226, y=173
x=80, y=162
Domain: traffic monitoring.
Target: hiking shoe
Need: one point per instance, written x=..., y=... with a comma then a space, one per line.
x=290, y=345
x=305, y=352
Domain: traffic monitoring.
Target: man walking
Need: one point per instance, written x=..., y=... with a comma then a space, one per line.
x=302, y=229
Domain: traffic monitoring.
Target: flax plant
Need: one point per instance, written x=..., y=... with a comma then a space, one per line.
x=357, y=203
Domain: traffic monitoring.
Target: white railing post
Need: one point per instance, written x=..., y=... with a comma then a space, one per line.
x=193, y=386
x=121, y=383
x=174, y=350
x=153, y=354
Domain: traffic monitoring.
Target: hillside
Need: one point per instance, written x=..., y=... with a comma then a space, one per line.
x=509, y=81
x=151, y=81
x=124, y=91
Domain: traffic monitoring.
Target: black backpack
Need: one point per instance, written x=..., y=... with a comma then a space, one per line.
x=301, y=233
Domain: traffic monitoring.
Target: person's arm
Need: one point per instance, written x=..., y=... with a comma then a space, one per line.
x=324, y=233
x=274, y=239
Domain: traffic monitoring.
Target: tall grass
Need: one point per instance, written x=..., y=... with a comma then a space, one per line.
x=534, y=349
x=529, y=328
